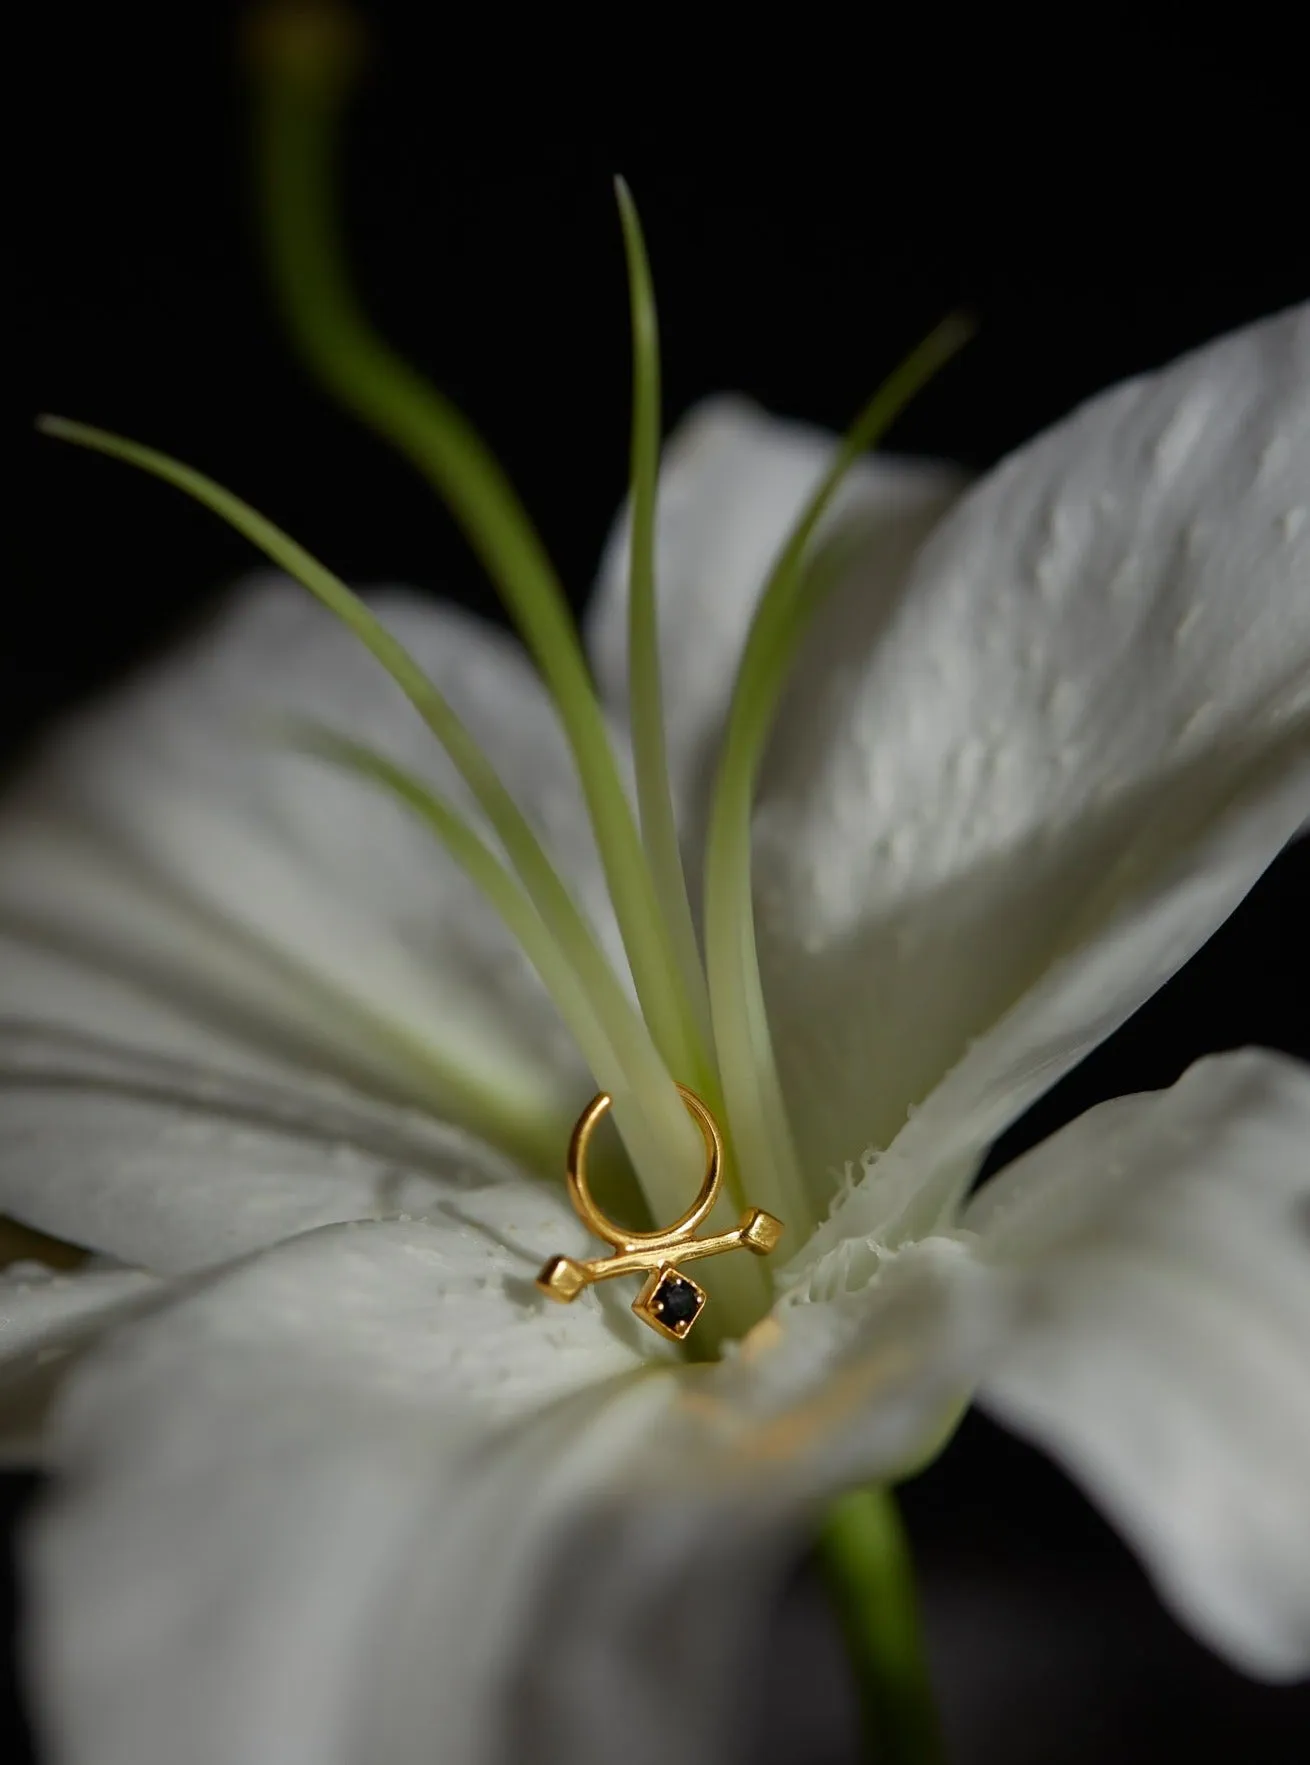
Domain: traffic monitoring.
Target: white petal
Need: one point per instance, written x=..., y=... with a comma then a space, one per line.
x=167, y=848
x=1164, y=1349
x=175, y=1165
x=1064, y=754
x=286, y=1532
x=46, y=1315
x=42, y=1308
x=661, y=1632
x=367, y=1499
x=856, y=1387
x=732, y=482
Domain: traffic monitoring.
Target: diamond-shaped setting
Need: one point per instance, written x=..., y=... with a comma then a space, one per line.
x=676, y=1303
x=670, y=1302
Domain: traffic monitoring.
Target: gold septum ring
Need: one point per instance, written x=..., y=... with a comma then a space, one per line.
x=669, y=1301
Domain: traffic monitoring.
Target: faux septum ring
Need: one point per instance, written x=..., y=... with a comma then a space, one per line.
x=669, y=1302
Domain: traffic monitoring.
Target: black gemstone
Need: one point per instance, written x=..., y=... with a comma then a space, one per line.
x=676, y=1302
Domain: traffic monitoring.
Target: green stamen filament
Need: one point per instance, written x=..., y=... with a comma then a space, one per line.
x=659, y=829
x=666, y=1124
x=301, y=99
x=606, y=1030
x=791, y=597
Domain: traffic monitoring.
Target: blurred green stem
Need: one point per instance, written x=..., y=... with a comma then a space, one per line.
x=866, y=1562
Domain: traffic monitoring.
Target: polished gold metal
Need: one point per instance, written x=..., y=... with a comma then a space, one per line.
x=669, y=1302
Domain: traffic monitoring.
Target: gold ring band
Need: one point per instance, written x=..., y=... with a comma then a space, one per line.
x=575, y=1174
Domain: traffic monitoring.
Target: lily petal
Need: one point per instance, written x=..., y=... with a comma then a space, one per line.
x=46, y=1315
x=1045, y=773
x=732, y=481
x=1163, y=1348
x=367, y=1497
x=317, y=1495
x=174, y=1165
x=284, y=1502
x=41, y=1309
x=168, y=848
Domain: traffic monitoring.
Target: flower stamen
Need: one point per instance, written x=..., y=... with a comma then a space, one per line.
x=301, y=98
x=792, y=595
x=644, y=1088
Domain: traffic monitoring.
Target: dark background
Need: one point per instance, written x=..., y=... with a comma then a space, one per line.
x=1101, y=198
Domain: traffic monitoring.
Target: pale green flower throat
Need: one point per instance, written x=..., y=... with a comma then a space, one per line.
x=699, y=1015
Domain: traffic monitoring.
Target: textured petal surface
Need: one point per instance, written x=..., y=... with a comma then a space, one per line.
x=175, y=1165
x=286, y=1532
x=167, y=849
x=46, y=1316
x=1163, y=1349
x=1046, y=772
x=732, y=482
x=42, y=1309
x=367, y=1499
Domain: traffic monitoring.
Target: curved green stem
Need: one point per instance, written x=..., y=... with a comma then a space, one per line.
x=866, y=1561
x=757, y=1115
x=607, y=1031
x=668, y=1122
x=304, y=67
x=654, y=793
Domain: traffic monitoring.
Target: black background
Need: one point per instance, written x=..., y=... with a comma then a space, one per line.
x=816, y=194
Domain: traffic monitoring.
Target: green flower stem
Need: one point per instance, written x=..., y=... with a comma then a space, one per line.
x=866, y=1561
x=304, y=59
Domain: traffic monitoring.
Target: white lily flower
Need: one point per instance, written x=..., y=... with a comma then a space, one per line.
x=337, y=1483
